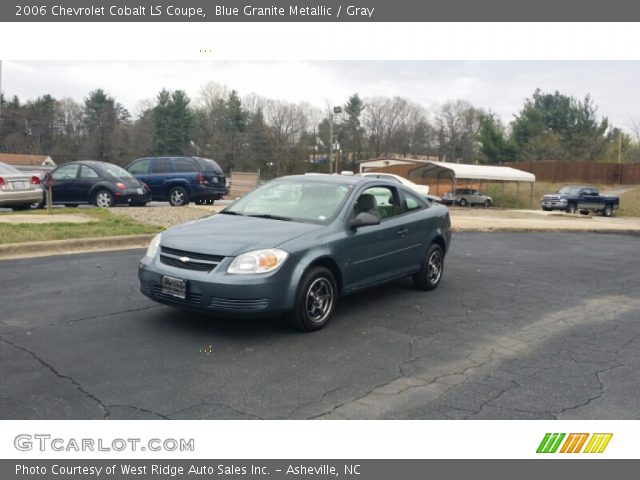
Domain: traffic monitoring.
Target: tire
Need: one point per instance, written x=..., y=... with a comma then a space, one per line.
x=178, y=197
x=315, y=300
x=571, y=208
x=584, y=212
x=462, y=202
x=545, y=209
x=432, y=269
x=487, y=203
x=607, y=211
x=103, y=199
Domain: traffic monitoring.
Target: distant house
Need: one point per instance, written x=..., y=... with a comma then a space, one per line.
x=25, y=160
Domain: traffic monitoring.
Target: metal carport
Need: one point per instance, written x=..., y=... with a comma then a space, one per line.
x=454, y=172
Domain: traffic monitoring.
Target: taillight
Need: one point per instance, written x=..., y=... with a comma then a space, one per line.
x=121, y=186
x=200, y=179
x=35, y=180
x=2, y=182
x=145, y=186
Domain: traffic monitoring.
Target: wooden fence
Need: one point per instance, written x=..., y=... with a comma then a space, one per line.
x=567, y=171
x=241, y=183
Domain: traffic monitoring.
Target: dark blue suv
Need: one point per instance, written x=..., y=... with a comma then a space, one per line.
x=181, y=179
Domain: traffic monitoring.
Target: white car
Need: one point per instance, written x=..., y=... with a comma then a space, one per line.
x=421, y=189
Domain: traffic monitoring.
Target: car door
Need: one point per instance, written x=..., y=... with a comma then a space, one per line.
x=589, y=200
x=63, y=182
x=374, y=253
x=161, y=170
x=87, y=178
x=419, y=229
x=140, y=169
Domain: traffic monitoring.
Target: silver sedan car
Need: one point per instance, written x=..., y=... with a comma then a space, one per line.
x=19, y=190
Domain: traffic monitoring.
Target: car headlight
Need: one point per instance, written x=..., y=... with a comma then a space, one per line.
x=153, y=247
x=258, y=261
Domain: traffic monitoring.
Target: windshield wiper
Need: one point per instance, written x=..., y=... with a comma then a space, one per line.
x=272, y=217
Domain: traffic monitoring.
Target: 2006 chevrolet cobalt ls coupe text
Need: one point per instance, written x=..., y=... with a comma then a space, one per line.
x=295, y=245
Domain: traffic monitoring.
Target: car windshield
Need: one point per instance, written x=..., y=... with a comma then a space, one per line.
x=569, y=190
x=115, y=170
x=299, y=200
x=8, y=169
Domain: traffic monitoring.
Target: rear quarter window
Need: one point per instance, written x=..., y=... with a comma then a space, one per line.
x=185, y=165
x=208, y=165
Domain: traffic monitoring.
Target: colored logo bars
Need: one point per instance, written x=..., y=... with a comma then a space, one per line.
x=597, y=442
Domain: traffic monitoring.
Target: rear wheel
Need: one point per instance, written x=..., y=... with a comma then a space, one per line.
x=463, y=202
x=607, y=211
x=178, y=197
x=432, y=268
x=315, y=300
x=571, y=208
x=103, y=199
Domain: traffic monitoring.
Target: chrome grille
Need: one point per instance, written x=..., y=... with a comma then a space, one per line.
x=200, y=262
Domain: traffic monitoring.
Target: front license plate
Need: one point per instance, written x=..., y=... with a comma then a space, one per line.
x=19, y=185
x=175, y=287
x=139, y=190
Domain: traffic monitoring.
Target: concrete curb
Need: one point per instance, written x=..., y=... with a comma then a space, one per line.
x=79, y=245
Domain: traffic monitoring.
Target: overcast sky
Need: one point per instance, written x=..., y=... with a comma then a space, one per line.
x=499, y=86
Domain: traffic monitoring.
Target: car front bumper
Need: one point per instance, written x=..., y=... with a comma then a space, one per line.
x=554, y=204
x=221, y=293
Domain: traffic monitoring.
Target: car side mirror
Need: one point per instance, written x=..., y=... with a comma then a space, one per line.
x=363, y=219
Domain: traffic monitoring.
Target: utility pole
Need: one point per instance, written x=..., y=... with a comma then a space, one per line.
x=619, y=146
x=335, y=111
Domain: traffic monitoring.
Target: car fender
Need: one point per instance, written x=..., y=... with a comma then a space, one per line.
x=177, y=182
x=99, y=186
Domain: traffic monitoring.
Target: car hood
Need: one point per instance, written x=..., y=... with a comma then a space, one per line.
x=230, y=235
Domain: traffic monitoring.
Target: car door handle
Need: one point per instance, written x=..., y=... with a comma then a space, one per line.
x=403, y=232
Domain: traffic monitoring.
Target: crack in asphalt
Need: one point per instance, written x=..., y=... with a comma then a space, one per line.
x=548, y=327
x=83, y=319
x=52, y=369
x=144, y=410
x=213, y=404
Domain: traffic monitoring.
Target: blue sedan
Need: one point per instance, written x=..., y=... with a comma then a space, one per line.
x=297, y=244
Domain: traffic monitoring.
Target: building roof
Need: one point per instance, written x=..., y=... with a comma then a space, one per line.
x=472, y=172
x=24, y=159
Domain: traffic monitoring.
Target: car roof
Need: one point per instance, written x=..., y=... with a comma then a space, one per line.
x=338, y=179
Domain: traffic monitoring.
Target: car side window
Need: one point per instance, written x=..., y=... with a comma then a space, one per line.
x=67, y=172
x=378, y=201
x=88, y=172
x=185, y=165
x=411, y=202
x=162, y=165
x=140, y=167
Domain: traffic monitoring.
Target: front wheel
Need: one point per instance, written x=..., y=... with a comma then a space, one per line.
x=462, y=202
x=432, y=268
x=571, y=208
x=315, y=301
x=487, y=203
x=103, y=199
x=607, y=211
x=178, y=197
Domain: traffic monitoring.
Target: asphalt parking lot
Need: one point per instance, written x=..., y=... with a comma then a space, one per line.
x=523, y=326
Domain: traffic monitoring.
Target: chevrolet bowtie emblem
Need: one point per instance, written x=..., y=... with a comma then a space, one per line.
x=184, y=259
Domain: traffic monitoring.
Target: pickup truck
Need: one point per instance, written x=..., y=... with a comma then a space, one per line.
x=583, y=199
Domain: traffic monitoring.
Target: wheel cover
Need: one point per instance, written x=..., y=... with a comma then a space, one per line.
x=103, y=200
x=434, y=267
x=177, y=197
x=319, y=300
